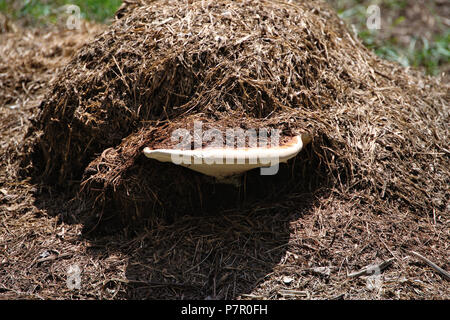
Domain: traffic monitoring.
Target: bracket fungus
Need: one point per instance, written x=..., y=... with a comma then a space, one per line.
x=227, y=162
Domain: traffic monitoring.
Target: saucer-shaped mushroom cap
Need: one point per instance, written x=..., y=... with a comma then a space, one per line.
x=223, y=161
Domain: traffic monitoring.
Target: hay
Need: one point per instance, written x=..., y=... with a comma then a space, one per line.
x=380, y=131
x=315, y=239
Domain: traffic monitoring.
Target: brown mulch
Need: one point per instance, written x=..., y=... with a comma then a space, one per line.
x=371, y=187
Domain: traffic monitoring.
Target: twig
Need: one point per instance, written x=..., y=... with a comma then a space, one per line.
x=53, y=257
x=252, y=296
x=293, y=293
x=438, y=269
x=338, y=297
x=370, y=270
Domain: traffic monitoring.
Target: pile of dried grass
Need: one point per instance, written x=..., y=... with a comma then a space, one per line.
x=380, y=131
x=30, y=60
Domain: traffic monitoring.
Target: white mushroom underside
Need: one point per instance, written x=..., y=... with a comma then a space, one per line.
x=226, y=162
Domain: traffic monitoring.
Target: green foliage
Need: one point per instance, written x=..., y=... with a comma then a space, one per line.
x=46, y=11
x=421, y=53
x=428, y=54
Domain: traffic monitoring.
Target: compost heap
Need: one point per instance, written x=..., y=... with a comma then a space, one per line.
x=380, y=132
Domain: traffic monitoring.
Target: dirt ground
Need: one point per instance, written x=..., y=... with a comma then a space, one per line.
x=276, y=250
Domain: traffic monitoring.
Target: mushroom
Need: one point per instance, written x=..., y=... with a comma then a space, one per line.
x=226, y=162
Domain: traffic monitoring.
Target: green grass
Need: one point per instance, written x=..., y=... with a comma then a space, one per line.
x=429, y=54
x=46, y=11
x=420, y=53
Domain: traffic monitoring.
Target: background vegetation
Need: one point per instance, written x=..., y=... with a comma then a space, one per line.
x=413, y=32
